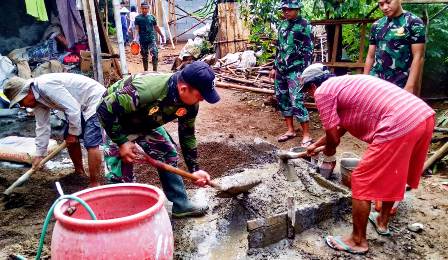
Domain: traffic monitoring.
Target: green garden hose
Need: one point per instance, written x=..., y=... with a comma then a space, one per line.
x=50, y=214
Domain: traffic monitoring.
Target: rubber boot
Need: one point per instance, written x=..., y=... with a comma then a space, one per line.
x=154, y=64
x=145, y=64
x=174, y=189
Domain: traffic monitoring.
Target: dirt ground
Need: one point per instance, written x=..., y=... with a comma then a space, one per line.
x=237, y=134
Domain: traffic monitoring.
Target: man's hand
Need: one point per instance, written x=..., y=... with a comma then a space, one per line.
x=204, y=178
x=272, y=74
x=311, y=149
x=409, y=88
x=71, y=140
x=36, y=162
x=128, y=152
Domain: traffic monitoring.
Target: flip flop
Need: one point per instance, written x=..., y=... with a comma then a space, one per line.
x=286, y=137
x=341, y=246
x=307, y=143
x=373, y=219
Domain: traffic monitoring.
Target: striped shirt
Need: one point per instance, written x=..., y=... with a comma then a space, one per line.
x=369, y=108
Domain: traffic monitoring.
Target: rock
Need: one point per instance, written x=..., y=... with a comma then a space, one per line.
x=231, y=136
x=435, y=207
x=415, y=227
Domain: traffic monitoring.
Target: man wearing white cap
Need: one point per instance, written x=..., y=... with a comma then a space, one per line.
x=75, y=95
x=398, y=128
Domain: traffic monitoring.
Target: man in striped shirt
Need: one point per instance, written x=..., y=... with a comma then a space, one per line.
x=398, y=128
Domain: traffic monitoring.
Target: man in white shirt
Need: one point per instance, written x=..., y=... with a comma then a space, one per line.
x=75, y=95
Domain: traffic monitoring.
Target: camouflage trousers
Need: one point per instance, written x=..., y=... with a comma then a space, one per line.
x=290, y=97
x=149, y=47
x=157, y=144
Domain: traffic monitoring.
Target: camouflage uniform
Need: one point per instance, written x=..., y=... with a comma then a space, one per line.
x=139, y=106
x=147, y=38
x=294, y=54
x=393, y=39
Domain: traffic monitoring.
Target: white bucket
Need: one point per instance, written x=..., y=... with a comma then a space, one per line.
x=349, y=161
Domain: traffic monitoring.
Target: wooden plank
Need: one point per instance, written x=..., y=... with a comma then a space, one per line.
x=107, y=44
x=222, y=30
x=230, y=27
x=424, y=1
x=344, y=65
x=343, y=21
x=334, y=48
x=362, y=43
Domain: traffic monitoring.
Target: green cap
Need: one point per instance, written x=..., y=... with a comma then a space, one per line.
x=293, y=4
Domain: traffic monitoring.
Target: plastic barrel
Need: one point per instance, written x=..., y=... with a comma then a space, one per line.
x=132, y=224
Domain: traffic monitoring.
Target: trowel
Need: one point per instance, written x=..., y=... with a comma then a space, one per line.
x=286, y=168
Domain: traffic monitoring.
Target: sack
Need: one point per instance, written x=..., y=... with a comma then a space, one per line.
x=21, y=149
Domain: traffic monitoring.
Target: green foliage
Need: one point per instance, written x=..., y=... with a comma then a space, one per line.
x=207, y=48
x=261, y=16
x=111, y=30
x=436, y=56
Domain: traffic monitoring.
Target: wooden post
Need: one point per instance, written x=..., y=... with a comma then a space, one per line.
x=361, y=45
x=165, y=18
x=172, y=17
x=107, y=16
x=97, y=61
x=119, y=29
x=85, y=7
x=334, y=48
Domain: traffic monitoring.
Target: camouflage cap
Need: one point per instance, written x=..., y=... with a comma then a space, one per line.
x=293, y=4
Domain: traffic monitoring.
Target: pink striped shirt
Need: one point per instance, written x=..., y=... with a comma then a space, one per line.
x=369, y=108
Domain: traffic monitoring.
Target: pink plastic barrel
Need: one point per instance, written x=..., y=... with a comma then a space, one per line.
x=132, y=224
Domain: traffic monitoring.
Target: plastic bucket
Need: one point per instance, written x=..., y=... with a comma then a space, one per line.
x=132, y=224
x=349, y=161
x=135, y=48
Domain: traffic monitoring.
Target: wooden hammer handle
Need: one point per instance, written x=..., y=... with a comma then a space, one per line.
x=166, y=167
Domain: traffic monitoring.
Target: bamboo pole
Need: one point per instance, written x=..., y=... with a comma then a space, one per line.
x=257, y=90
x=107, y=16
x=165, y=18
x=85, y=7
x=124, y=67
x=97, y=61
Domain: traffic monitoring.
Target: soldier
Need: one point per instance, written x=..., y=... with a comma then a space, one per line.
x=397, y=44
x=145, y=25
x=294, y=54
x=140, y=105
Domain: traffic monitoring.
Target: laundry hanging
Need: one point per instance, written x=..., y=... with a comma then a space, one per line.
x=70, y=21
x=36, y=8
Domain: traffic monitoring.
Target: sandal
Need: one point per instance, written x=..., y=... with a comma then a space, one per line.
x=307, y=143
x=286, y=137
x=373, y=219
x=336, y=243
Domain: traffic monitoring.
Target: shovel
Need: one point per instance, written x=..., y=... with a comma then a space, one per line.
x=28, y=173
x=287, y=169
x=223, y=192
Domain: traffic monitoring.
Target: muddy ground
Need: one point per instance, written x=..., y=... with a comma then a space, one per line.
x=236, y=135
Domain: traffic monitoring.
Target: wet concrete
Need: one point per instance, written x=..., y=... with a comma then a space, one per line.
x=223, y=234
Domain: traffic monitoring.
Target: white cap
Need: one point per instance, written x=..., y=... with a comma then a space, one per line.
x=313, y=72
x=124, y=10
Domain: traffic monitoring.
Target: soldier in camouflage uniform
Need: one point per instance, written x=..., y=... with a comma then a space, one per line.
x=396, y=50
x=146, y=26
x=137, y=107
x=294, y=54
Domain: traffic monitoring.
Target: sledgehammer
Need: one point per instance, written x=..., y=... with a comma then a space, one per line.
x=28, y=173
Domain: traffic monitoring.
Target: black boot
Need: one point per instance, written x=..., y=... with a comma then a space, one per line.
x=154, y=63
x=174, y=189
x=145, y=64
